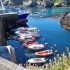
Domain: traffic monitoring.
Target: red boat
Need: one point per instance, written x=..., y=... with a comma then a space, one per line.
x=44, y=53
x=26, y=44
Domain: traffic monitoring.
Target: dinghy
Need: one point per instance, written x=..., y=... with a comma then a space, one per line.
x=37, y=60
x=28, y=34
x=27, y=44
x=27, y=28
x=23, y=38
x=44, y=53
x=36, y=47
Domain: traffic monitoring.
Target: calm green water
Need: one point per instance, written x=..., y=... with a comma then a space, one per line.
x=50, y=29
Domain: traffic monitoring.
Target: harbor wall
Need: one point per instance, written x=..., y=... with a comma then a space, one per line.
x=2, y=33
x=7, y=23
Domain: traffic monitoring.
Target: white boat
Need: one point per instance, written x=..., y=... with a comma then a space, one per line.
x=28, y=34
x=22, y=31
x=23, y=38
x=27, y=28
x=34, y=33
x=36, y=47
x=37, y=60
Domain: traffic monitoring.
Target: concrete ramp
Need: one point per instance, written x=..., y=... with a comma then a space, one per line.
x=8, y=65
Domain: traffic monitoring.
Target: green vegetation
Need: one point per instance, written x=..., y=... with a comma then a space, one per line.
x=60, y=62
x=29, y=2
x=57, y=1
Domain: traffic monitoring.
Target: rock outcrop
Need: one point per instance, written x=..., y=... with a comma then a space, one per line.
x=27, y=2
x=65, y=21
x=8, y=3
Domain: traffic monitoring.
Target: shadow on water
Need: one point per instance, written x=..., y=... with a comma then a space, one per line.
x=12, y=40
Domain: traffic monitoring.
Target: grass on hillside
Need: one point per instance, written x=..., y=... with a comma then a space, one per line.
x=57, y=2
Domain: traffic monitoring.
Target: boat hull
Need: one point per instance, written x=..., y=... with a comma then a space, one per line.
x=44, y=53
x=23, y=16
x=27, y=44
x=37, y=60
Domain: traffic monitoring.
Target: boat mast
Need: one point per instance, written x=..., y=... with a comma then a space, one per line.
x=3, y=8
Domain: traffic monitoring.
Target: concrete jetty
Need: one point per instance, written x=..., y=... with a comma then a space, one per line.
x=2, y=34
x=8, y=65
x=7, y=23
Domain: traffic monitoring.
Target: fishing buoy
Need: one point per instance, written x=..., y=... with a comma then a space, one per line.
x=43, y=38
x=54, y=44
x=15, y=47
x=46, y=43
x=38, y=30
x=51, y=47
x=55, y=50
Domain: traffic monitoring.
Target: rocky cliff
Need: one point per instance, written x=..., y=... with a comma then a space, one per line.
x=65, y=21
x=34, y=2
x=26, y=2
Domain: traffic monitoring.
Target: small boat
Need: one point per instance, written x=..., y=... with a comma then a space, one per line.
x=29, y=34
x=24, y=35
x=36, y=47
x=27, y=31
x=26, y=44
x=22, y=38
x=37, y=60
x=27, y=28
x=44, y=53
x=34, y=33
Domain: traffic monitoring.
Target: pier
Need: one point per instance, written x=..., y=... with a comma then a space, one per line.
x=2, y=33
x=7, y=23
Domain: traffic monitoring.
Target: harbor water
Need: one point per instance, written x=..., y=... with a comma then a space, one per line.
x=50, y=32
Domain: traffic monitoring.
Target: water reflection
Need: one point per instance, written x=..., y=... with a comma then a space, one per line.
x=47, y=12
